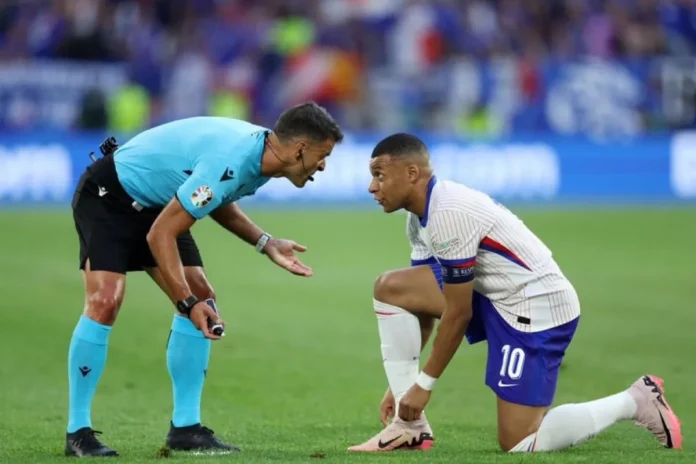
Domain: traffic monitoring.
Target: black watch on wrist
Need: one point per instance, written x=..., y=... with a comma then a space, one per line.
x=185, y=306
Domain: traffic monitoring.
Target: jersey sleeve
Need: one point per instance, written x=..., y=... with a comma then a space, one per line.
x=420, y=254
x=211, y=180
x=455, y=237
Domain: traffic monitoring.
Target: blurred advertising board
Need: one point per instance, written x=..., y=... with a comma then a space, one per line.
x=43, y=168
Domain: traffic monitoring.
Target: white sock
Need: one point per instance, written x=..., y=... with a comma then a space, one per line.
x=400, y=335
x=570, y=424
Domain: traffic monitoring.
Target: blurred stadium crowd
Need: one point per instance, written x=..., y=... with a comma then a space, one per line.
x=373, y=63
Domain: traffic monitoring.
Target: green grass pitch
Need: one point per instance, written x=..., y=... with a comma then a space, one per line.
x=299, y=376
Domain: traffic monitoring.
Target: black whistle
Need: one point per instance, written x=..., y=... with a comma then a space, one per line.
x=215, y=329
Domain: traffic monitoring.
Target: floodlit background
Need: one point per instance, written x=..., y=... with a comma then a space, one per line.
x=577, y=114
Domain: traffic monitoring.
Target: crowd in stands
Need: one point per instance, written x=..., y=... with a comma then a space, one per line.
x=371, y=62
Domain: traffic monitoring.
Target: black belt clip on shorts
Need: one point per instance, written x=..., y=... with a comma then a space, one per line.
x=107, y=148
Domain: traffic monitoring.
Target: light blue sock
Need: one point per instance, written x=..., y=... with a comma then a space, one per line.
x=188, y=352
x=86, y=360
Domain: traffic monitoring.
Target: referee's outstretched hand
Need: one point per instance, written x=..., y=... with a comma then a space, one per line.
x=200, y=313
x=282, y=252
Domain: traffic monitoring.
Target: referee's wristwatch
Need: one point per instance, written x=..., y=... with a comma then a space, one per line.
x=263, y=240
x=185, y=306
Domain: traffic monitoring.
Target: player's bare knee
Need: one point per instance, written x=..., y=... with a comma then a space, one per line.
x=506, y=444
x=387, y=288
x=516, y=423
x=511, y=441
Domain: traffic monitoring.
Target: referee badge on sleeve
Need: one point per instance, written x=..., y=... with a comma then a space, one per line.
x=201, y=196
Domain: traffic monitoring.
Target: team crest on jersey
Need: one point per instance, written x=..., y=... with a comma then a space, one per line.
x=201, y=196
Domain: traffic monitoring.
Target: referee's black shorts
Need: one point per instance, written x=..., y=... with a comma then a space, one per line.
x=112, y=232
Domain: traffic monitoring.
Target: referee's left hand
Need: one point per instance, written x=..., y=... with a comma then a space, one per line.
x=200, y=313
x=282, y=252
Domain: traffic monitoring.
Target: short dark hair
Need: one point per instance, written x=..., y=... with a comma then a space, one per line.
x=400, y=144
x=310, y=120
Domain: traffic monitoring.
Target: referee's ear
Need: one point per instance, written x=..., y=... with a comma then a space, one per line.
x=301, y=146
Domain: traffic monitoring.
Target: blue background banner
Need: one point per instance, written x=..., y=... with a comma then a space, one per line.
x=43, y=168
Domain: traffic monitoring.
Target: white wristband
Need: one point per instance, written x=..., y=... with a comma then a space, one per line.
x=262, y=242
x=425, y=381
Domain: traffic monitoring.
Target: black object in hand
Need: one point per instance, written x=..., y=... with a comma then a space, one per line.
x=215, y=329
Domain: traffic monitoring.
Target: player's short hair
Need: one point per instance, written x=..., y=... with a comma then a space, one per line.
x=400, y=144
x=308, y=120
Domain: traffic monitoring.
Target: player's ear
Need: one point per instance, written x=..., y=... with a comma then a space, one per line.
x=413, y=173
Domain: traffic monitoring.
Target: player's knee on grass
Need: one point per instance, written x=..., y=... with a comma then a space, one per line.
x=516, y=422
x=104, y=295
x=413, y=289
x=509, y=441
x=198, y=283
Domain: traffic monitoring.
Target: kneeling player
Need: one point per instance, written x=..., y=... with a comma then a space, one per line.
x=485, y=275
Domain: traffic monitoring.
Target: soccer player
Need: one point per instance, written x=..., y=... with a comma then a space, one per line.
x=486, y=276
x=133, y=211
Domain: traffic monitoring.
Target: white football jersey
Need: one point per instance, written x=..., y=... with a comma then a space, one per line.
x=473, y=237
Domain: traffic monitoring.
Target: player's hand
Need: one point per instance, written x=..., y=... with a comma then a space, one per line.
x=282, y=252
x=413, y=403
x=200, y=313
x=387, y=407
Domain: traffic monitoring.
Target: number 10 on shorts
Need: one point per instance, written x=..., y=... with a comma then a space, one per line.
x=513, y=362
